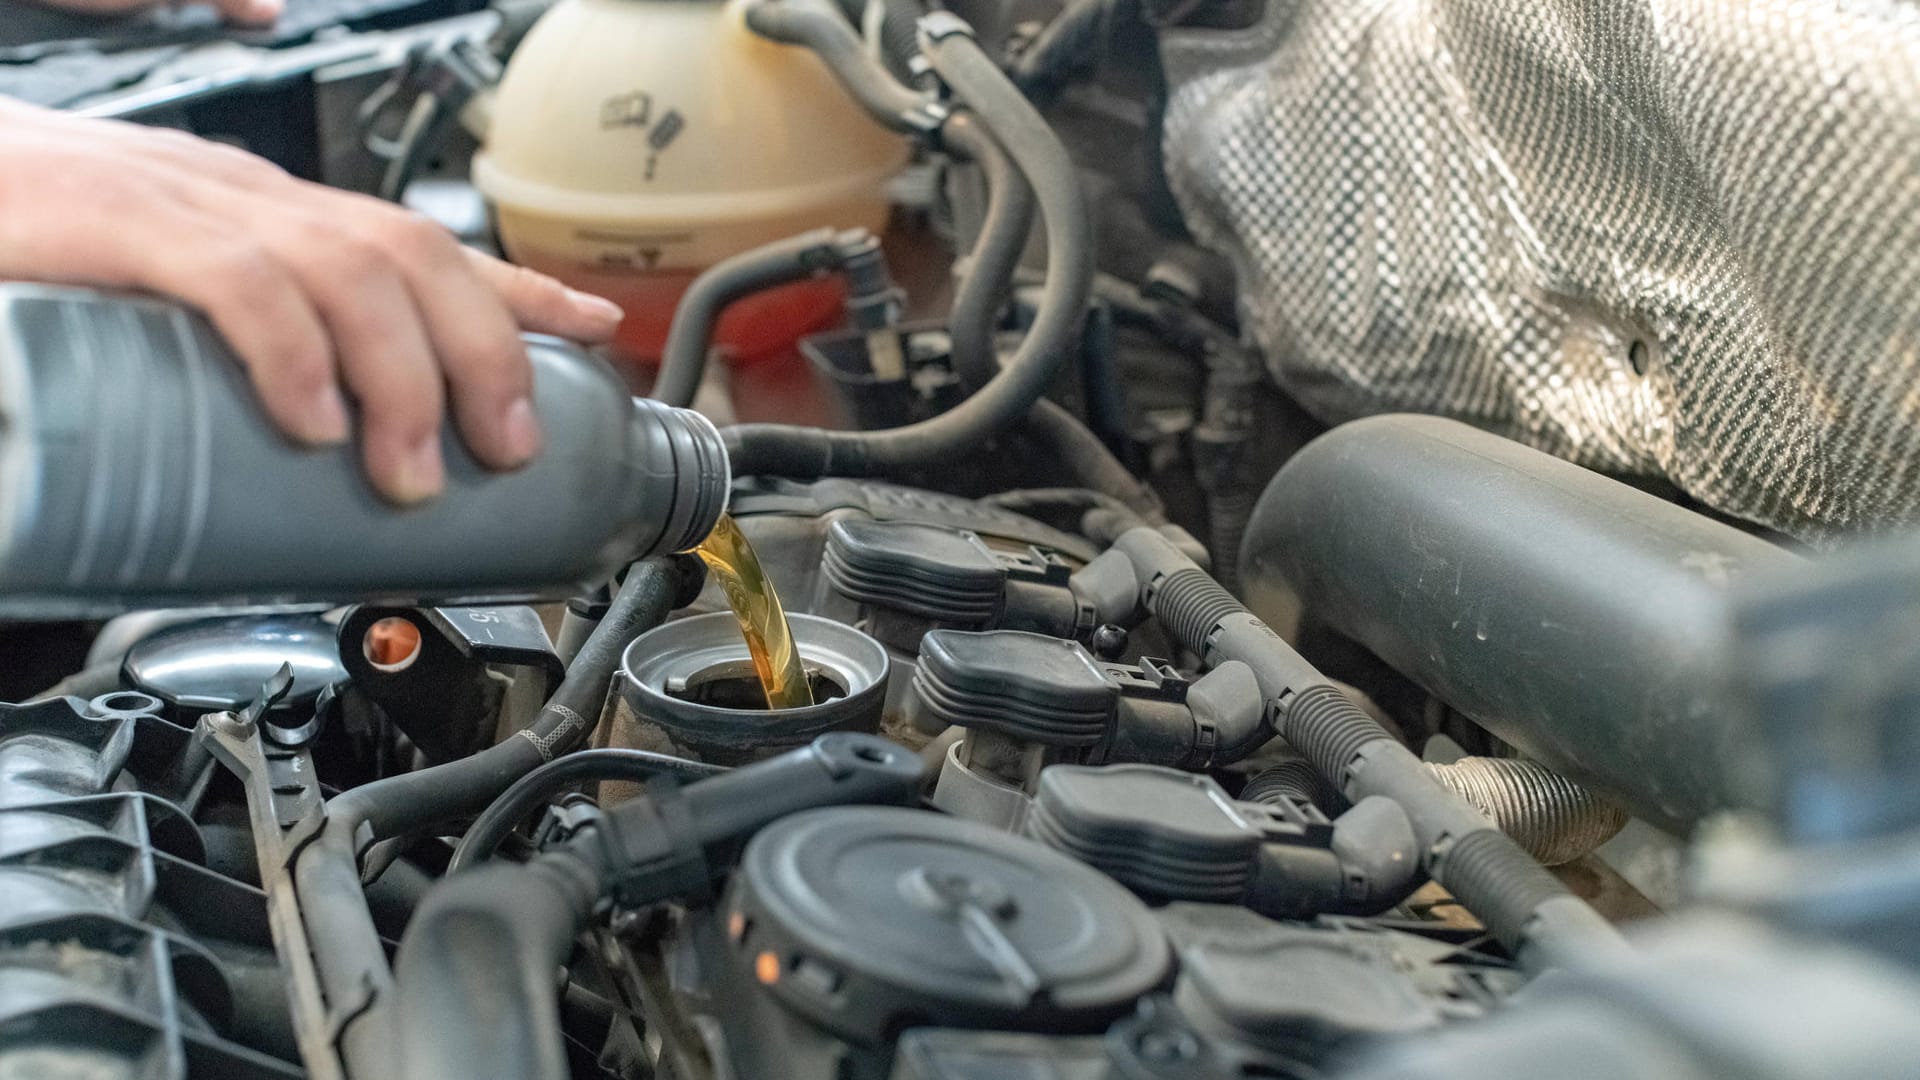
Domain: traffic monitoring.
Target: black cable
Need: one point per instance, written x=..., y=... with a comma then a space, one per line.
x=1228, y=416
x=1061, y=438
x=782, y=450
x=995, y=257
x=533, y=790
x=475, y=989
x=1106, y=405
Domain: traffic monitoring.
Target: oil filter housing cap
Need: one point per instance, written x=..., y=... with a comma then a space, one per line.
x=865, y=919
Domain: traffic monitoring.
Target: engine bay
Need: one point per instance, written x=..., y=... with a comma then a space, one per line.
x=947, y=635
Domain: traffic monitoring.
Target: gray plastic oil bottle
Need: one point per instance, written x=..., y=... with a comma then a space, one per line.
x=137, y=468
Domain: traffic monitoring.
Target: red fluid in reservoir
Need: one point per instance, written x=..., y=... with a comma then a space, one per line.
x=756, y=329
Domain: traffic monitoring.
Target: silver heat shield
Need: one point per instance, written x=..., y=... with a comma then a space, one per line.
x=1674, y=238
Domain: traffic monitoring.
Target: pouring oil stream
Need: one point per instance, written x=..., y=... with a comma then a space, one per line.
x=763, y=622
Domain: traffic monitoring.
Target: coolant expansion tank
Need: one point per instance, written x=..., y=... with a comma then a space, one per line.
x=633, y=143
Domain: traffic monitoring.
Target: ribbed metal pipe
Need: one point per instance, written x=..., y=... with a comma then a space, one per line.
x=1553, y=818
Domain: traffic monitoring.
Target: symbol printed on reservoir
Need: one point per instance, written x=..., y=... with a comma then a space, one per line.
x=634, y=110
x=668, y=129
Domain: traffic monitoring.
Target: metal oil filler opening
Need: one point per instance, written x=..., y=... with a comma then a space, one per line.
x=763, y=622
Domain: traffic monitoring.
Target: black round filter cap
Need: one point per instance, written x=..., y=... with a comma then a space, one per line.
x=868, y=920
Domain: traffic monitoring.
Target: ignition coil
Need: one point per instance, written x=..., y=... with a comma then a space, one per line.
x=1028, y=701
x=903, y=579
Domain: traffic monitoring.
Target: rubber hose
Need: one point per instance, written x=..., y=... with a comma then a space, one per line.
x=1067, y=48
x=995, y=256
x=1228, y=511
x=531, y=791
x=1294, y=779
x=821, y=28
x=683, y=360
x=484, y=946
x=900, y=34
x=773, y=449
x=970, y=325
x=1220, y=444
x=1105, y=404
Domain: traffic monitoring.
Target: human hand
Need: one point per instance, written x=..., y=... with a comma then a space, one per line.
x=324, y=294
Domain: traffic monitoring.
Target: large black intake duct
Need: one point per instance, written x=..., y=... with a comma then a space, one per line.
x=1579, y=619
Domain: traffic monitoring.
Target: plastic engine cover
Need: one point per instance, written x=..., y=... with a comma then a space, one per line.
x=122, y=954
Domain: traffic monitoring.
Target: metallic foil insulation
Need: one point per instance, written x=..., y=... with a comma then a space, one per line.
x=1673, y=238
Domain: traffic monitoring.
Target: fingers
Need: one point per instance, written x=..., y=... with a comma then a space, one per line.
x=410, y=323
x=264, y=312
x=382, y=352
x=378, y=348
x=416, y=329
x=328, y=298
x=405, y=311
x=387, y=361
x=175, y=249
x=474, y=335
x=544, y=306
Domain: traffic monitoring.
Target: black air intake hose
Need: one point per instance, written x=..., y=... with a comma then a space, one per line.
x=1579, y=619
